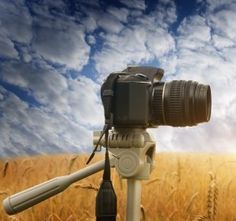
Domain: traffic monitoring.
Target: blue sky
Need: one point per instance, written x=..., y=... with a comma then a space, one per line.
x=54, y=55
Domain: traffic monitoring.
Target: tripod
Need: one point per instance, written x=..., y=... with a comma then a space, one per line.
x=133, y=153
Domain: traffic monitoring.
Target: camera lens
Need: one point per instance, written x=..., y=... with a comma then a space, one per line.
x=180, y=103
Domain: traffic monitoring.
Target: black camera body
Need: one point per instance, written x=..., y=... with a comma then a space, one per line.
x=131, y=103
x=133, y=96
x=140, y=99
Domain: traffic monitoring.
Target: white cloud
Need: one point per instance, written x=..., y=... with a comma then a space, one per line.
x=223, y=22
x=221, y=42
x=121, y=50
x=165, y=13
x=7, y=46
x=136, y=4
x=70, y=109
x=215, y=5
x=89, y=22
x=165, y=43
x=31, y=130
x=59, y=40
x=194, y=33
x=66, y=47
x=121, y=14
x=26, y=55
x=90, y=2
x=73, y=98
x=142, y=41
x=13, y=29
x=58, y=37
x=16, y=20
x=66, y=114
x=109, y=23
x=91, y=40
x=1, y=97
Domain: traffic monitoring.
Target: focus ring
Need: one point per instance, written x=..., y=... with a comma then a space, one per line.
x=173, y=103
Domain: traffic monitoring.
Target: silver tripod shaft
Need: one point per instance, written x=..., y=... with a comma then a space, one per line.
x=133, y=200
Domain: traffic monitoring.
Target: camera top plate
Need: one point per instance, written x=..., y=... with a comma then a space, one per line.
x=153, y=74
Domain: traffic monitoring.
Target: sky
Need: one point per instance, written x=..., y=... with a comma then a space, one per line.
x=54, y=56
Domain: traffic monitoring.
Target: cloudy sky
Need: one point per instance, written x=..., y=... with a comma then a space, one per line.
x=54, y=55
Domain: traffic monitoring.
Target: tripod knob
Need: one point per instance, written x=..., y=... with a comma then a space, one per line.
x=128, y=164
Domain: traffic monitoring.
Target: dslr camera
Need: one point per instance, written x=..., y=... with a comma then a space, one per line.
x=141, y=99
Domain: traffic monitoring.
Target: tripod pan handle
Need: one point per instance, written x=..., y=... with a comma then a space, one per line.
x=29, y=197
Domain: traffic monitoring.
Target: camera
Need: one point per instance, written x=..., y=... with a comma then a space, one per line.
x=141, y=99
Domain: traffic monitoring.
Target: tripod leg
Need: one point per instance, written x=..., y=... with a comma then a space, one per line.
x=133, y=200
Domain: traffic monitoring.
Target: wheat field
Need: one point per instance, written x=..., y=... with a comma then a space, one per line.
x=182, y=187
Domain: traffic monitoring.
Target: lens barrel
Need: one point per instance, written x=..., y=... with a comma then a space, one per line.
x=180, y=103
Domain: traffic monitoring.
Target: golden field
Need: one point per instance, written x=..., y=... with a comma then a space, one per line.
x=182, y=187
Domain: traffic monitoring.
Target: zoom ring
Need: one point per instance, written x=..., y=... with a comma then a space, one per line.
x=173, y=103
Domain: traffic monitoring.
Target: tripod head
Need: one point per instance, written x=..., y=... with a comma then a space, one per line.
x=133, y=149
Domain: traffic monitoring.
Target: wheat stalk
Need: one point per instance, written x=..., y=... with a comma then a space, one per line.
x=228, y=187
x=70, y=218
x=54, y=217
x=143, y=218
x=171, y=194
x=88, y=187
x=153, y=181
x=211, y=201
x=27, y=170
x=172, y=214
x=178, y=171
x=14, y=218
x=4, y=193
x=201, y=218
x=72, y=161
x=6, y=166
x=212, y=197
x=188, y=206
